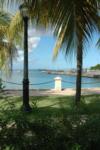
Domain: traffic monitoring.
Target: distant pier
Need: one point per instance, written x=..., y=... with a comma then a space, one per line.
x=85, y=73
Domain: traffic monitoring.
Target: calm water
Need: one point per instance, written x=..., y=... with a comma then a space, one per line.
x=36, y=76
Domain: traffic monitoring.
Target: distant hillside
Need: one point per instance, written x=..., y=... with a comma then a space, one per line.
x=96, y=67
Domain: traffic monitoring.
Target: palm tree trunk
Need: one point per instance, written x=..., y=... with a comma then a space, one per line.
x=79, y=71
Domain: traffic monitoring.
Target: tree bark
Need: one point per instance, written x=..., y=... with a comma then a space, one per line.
x=79, y=71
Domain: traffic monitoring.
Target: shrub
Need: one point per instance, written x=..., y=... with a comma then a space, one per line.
x=1, y=85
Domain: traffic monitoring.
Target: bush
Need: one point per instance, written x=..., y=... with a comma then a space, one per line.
x=1, y=85
x=74, y=131
x=88, y=134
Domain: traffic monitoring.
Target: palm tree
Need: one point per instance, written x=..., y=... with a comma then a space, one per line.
x=7, y=49
x=74, y=22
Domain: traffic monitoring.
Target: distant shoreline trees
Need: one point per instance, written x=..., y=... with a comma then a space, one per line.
x=96, y=67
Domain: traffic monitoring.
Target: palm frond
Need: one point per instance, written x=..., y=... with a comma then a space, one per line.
x=79, y=17
x=98, y=43
x=14, y=33
x=7, y=49
x=4, y=18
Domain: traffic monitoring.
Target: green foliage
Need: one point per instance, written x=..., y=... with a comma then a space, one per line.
x=96, y=67
x=8, y=50
x=1, y=85
x=49, y=127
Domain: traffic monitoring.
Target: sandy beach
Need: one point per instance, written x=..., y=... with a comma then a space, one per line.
x=64, y=92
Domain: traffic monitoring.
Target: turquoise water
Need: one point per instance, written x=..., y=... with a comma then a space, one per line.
x=37, y=76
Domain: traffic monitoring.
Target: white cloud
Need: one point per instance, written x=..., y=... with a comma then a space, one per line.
x=39, y=32
x=33, y=42
x=20, y=52
x=34, y=37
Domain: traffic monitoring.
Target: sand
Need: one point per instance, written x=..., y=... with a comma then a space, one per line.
x=64, y=92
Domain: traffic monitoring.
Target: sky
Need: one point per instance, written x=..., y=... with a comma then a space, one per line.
x=41, y=45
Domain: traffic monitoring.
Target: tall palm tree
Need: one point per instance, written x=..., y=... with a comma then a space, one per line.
x=74, y=23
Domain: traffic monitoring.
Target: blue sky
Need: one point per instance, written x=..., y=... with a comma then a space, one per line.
x=41, y=46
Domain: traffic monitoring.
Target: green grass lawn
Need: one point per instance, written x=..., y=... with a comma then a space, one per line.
x=54, y=105
x=55, y=123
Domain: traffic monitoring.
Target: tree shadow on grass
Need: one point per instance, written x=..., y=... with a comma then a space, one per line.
x=19, y=131
x=20, y=134
x=52, y=106
x=54, y=125
x=22, y=131
x=92, y=104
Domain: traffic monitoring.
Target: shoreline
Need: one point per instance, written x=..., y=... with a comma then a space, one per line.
x=51, y=92
x=88, y=74
x=74, y=74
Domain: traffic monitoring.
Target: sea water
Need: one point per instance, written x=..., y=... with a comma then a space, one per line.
x=39, y=79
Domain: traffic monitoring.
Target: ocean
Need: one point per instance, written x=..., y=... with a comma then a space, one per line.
x=42, y=80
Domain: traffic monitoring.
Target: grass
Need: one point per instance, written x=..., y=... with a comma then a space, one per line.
x=54, y=123
x=54, y=105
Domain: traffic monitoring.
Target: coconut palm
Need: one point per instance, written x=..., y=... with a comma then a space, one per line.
x=74, y=23
x=7, y=49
